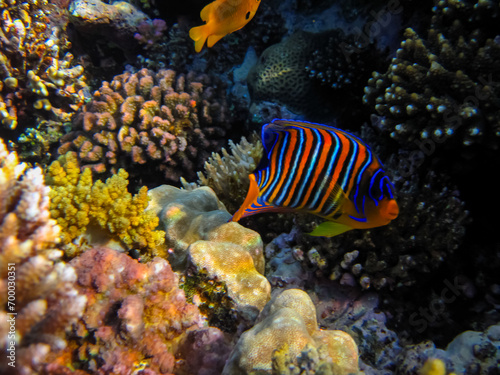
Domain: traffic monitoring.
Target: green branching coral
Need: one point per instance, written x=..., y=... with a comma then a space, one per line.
x=96, y=209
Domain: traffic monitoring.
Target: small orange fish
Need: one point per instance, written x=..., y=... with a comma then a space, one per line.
x=222, y=17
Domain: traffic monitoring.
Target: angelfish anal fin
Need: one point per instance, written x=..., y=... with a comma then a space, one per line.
x=329, y=229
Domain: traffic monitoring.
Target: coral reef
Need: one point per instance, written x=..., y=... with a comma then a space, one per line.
x=230, y=289
x=443, y=88
x=344, y=63
x=136, y=313
x=308, y=72
x=150, y=32
x=471, y=352
x=38, y=76
x=38, y=297
x=227, y=175
x=285, y=328
x=150, y=123
x=91, y=211
x=428, y=231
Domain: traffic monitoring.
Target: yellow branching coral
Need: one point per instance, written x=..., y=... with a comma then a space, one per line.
x=83, y=207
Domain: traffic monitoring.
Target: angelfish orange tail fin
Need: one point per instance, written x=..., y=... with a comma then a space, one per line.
x=199, y=34
x=252, y=195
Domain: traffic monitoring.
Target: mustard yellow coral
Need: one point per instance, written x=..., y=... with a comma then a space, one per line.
x=81, y=206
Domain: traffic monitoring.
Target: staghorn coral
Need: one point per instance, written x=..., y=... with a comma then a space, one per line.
x=38, y=76
x=94, y=210
x=230, y=289
x=165, y=122
x=287, y=326
x=38, y=299
x=136, y=314
x=227, y=175
x=444, y=88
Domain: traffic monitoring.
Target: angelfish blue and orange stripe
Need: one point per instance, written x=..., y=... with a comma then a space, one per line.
x=321, y=170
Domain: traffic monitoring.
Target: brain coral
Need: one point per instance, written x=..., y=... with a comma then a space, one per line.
x=150, y=122
x=280, y=74
x=316, y=74
x=288, y=325
x=444, y=87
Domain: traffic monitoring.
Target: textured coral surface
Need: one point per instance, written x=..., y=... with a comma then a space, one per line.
x=150, y=122
x=38, y=297
x=94, y=210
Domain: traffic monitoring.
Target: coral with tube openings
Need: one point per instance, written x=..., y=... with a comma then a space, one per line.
x=164, y=121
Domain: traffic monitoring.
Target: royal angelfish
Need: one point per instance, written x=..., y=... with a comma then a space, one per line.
x=320, y=170
x=222, y=17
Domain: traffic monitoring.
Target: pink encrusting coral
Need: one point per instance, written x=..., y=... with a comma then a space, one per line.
x=136, y=312
x=164, y=121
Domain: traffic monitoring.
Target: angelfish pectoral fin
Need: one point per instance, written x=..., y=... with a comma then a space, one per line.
x=329, y=229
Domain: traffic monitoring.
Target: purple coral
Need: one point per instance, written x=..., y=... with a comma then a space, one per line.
x=150, y=32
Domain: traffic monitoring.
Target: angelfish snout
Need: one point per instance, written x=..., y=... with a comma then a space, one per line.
x=392, y=210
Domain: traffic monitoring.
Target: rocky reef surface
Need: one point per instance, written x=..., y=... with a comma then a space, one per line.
x=124, y=154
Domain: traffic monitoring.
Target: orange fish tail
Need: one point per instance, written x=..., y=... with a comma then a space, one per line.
x=253, y=193
x=199, y=34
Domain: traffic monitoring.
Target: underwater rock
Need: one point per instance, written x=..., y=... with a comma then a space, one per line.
x=224, y=261
x=117, y=22
x=471, y=352
x=287, y=325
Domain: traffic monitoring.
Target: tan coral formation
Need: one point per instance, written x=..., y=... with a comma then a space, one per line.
x=213, y=250
x=36, y=66
x=159, y=121
x=34, y=284
x=286, y=327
